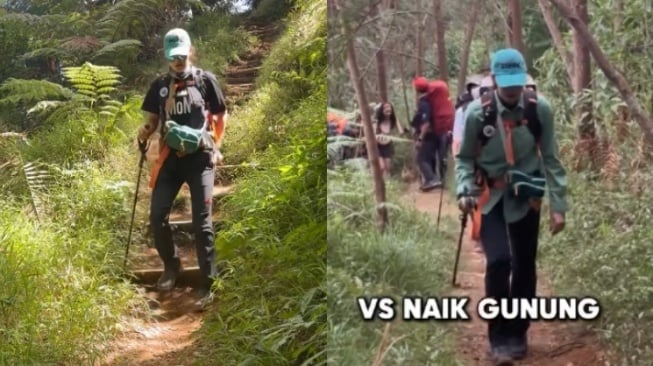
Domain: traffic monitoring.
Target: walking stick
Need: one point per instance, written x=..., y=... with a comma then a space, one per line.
x=142, y=146
x=463, y=224
x=440, y=209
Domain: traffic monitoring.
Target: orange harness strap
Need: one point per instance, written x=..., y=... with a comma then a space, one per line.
x=164, y=149
x=163, y=155
x=484, y=198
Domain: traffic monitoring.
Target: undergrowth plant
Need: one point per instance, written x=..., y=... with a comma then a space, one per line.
x=410, y=259
x=272, y=248
x=604, y=252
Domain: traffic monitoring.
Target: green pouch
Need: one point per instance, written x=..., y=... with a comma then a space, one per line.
x=183, y=138
x=525, y=185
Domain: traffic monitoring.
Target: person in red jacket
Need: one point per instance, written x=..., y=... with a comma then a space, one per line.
x=442, y=116
x=434, y=124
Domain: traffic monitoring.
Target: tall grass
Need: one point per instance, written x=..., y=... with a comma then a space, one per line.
x=605, y=250
x=273, y=295
x=410, y=259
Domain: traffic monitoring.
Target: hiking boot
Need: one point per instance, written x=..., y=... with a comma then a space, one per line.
x=501, y=356
x=170, y=273
x=518, y=347
x=430, y=185
x=203, y=298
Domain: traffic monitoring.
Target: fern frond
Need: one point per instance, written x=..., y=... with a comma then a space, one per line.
x=66, y=112
x=83, y=44
x=128, y=19
x=122, y=48
x=42, y=52
x=93, y=81
x=37, y=181
x=18, y=91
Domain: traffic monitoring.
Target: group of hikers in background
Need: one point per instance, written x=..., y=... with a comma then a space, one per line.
x=500, y=131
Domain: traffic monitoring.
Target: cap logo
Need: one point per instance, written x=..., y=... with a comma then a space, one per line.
x=509, y=65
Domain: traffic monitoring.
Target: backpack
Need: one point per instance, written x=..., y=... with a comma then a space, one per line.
x=489, y=105
x=442, y=109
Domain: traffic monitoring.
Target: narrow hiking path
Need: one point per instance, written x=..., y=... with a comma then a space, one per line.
x=551, y=343
x=166, y=338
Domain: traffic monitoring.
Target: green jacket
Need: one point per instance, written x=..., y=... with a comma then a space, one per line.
x=493, y=160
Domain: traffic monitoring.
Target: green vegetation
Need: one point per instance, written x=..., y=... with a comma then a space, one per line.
x=410, y=259
x=273, y=299
x=68, y=166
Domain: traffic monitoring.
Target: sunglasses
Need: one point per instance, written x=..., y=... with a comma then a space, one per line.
x=178, y=58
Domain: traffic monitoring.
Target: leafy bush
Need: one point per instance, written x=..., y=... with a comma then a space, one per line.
x=604, y=252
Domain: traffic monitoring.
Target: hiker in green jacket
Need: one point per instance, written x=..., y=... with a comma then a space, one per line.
x=506, y=182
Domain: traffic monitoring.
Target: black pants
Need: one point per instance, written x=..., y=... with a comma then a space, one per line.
x=198, y=172
x=509, y=250
x=425, y=157
x=441, y=154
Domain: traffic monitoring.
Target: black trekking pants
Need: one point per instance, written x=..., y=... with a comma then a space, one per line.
x=198, y=172
x=425, y=157
x=442, y=153
x=509, y=250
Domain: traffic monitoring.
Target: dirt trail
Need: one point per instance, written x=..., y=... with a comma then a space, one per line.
x=550, y=343
x=168, y=336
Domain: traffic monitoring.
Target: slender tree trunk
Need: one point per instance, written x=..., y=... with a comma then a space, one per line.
x=469, y=34
x=515, y=26
x=380, y=64
x=440, y=43
x=582, y=74
x=508, y=31
x=419, y=69
x=615, y=77
x=618, y=16
x=381, y=74
x=370, y=141
x=559, y=44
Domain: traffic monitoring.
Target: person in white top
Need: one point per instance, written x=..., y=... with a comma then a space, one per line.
x=459, y=121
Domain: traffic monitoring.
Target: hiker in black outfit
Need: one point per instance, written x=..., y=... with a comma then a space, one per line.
x=190, y=97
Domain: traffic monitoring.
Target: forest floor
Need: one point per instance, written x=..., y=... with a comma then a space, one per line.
x=167, y=337
x=551, y=343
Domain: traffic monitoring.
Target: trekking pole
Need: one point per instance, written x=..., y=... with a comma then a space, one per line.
x=440, y=209
x=463, y=224
x=142, y=146
x=442, y=190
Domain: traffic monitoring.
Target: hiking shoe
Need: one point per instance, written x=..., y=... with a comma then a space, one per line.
x=518, y=347
x=203, y=298
x=501, y=356
x=170, y=273
x=431, y=185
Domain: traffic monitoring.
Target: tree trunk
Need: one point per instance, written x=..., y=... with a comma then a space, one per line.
x=440, y=44
x=469, y=34
x=419, y=69
x=618, y=16
x=559, y=44
x=517, y=40
x=380, y=65
x=381, y=74
x=370, y=141
x=615, y=77
x=582, y=75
